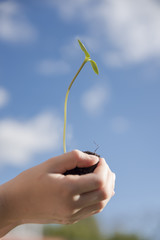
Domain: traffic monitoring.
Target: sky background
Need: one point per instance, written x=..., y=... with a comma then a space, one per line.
x=118, y=110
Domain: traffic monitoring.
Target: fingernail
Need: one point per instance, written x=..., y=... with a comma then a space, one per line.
x=96, y=158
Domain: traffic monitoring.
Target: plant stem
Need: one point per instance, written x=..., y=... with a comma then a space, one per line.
x=65, y=103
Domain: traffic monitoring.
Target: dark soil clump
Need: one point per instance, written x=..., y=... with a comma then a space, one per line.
x=81, y=171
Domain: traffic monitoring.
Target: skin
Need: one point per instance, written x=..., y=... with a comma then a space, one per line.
x=42, y=194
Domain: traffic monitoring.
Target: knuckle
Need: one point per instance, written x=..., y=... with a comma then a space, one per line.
x=68, y=211
x=68, y=221
x=100, y=182
x=100, y=210
x=72, y=190
x=97, y=211
x=104, y=194
x=101, y=206
x=70, y=207
x=76, y=154
x=69, y=188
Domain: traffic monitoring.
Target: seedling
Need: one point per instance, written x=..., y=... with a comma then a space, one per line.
x=95, y=69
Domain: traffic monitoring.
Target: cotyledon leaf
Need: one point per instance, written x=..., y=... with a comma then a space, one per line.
x=94, y=66
x=83, y=49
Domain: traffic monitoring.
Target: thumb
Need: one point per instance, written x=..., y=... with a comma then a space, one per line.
x=70, y=160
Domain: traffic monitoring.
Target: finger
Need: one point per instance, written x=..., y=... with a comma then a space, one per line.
x=102, y=167
x=93, y=181
x=89, y=211
x=90, y=198
x=110, y=184
x=105, y=172
x=82, y=184
x=71, y=160
x=87, y=199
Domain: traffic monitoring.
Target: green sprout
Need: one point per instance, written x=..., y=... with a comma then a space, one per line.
x=95, y=69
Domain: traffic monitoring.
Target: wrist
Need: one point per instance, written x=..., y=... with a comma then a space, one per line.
x=8, y=218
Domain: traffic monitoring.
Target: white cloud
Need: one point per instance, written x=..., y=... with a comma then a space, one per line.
x=50, y=67
x=123, y=31
x=95, y=99
x=21, y=140
x=14, y=27
x=133, y=28
x=4, y=97
x=120, y=125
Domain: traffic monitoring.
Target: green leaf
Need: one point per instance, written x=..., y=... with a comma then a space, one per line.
x=94, y=66
x=83, y=48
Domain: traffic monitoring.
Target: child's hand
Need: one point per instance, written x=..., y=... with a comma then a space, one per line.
x=42, y=194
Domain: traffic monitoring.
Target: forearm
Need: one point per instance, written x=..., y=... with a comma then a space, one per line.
x=6, y=224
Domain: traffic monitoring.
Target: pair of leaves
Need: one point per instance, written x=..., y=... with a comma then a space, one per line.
x=87, y=55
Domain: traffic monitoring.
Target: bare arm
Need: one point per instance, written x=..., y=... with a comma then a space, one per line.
x=5, y=224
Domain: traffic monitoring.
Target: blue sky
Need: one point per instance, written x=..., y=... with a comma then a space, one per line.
x=117, y=110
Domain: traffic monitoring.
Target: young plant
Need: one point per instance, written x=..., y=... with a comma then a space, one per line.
x=95, y=69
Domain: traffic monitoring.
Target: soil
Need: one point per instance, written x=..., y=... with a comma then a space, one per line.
x=81, y=171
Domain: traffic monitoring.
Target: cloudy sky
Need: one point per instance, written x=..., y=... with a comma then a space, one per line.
x=118, y=110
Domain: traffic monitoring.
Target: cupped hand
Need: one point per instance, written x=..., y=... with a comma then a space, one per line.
x=42, y=194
